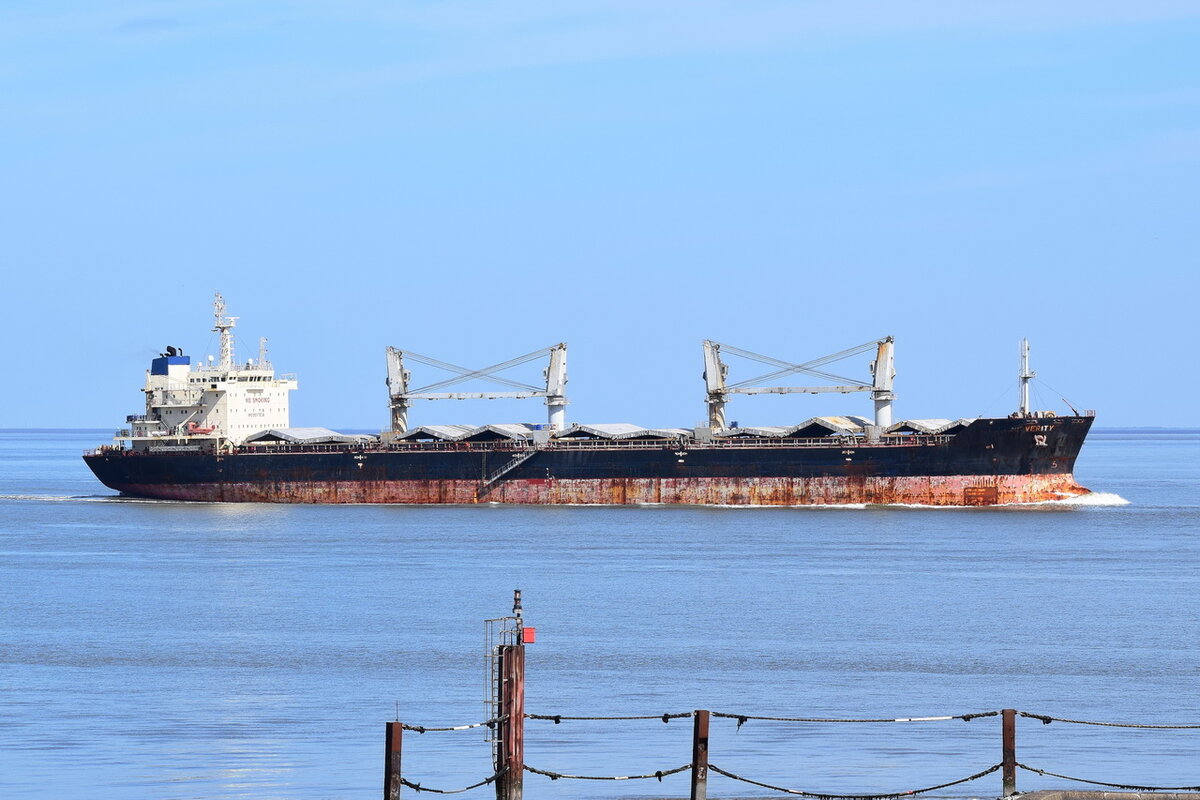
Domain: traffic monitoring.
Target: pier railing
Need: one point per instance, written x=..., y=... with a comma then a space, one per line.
x=700, y=764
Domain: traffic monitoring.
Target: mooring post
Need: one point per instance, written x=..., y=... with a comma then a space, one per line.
x=1008, y=761
x=699, y=755
x=509, y=786
x=510, y=664
x=391, y=762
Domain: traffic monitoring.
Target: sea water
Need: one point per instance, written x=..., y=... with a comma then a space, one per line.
x=180, y=650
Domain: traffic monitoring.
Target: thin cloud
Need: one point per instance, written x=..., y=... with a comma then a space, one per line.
x=466, y=36
x=463, y=37
x=149, y=25
x=1167, y=98
x=667, y=25
x=1174, y=147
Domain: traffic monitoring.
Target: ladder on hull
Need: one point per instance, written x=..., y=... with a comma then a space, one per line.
x=490, y=481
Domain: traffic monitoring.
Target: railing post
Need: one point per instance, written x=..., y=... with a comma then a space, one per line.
x=1008, y=761
x=511, y=756
x=391, y=762
x=699, y=756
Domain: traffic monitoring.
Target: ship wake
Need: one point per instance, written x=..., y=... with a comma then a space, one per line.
x=1088, y=500
x=1095, y=499
x=76, y=498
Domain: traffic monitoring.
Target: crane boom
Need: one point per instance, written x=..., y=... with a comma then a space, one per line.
x=555, y=390
x=883, y=371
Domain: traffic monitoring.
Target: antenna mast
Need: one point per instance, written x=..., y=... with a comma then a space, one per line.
x=1023, y=378
x=224, y=325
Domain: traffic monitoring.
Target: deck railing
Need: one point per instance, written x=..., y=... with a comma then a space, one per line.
x=567, y=445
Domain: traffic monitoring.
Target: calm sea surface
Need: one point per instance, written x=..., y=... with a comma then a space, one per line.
x=172, y=650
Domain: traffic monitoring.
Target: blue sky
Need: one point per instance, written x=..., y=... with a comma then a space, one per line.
x=474, y=180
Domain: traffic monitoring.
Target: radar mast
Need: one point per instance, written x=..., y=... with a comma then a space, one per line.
x=1023, y=378
x=224, y=325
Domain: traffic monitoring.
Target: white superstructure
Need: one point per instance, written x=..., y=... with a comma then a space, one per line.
x=212, y=402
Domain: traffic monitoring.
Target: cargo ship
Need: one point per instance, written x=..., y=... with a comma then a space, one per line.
x=218, y=431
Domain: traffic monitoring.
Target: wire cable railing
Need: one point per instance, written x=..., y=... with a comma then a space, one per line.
x=699, y=766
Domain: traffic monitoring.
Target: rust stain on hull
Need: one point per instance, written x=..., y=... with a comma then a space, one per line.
x=946, y=490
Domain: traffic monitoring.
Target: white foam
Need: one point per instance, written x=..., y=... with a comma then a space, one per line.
x=1098, y=499
x=78, y=498
x=815, y=506
x=1089, y=500
x=45, y=498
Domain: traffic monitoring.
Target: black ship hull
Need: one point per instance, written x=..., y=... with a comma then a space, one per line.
x=991, y=461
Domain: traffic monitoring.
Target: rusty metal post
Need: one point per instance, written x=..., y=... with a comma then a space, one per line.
x=1008, y=761
x=391, y=762
x=699, y=756
x=511, y=756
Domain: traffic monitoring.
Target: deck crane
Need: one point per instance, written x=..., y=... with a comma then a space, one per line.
x=555, y=390
x=883, y=372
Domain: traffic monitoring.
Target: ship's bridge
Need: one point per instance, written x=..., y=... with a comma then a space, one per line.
x=214, y=400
